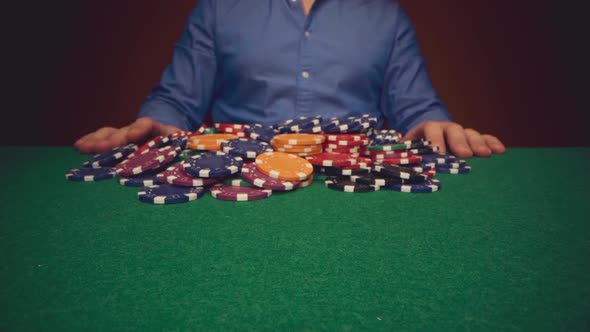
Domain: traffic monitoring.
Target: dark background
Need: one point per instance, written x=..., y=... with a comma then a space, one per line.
x=512, y=68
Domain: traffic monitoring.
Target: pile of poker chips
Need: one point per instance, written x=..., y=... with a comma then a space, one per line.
x=245, y=162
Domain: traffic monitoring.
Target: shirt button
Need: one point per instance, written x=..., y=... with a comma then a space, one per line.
x=305, y=74
x=307, y=34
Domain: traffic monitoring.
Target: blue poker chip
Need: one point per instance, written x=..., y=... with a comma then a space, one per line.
x=438, y=158
x=212, y=165
x=179, y=142
x=428, y=186
x=245, y=148
x=169, y=194
x=448, y=170
x=142, y=180
x=454, y=164
x=261, y=133
x=90, y=174
x=111, y=157
x=302, y=124
x=329, y=122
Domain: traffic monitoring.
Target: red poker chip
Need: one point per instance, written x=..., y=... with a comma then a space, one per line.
x=255, y=177
x=156, y=142
x=238, y=193
x=346, y=149
x=177, y=176
x=339, y=144
x=332, y=159
x=401, y=161
x=149, y=160
x=431, y=173
x=345, y=137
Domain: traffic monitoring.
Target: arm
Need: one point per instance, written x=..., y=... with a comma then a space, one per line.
x=185, y=90
x=183, y=95
x=411, y=106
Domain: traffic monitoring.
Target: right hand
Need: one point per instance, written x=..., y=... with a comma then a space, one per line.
x=107, y=138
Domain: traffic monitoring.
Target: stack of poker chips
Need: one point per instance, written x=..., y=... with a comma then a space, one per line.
x=245, y=162
x=302, y=145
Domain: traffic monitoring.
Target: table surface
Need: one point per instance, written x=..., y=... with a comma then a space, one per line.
x=504, y=248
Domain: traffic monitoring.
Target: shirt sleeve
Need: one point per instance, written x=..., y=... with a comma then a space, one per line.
x=408, y=97
x=185, y=90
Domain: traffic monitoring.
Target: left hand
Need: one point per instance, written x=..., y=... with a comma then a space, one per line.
x=462, y=142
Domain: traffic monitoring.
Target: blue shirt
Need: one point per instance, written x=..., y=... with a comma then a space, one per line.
x=264, y=61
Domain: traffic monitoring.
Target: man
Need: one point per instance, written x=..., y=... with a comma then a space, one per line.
x=266, y=61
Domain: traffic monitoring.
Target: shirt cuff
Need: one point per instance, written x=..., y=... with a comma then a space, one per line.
x=434, y=114
x=165, y=114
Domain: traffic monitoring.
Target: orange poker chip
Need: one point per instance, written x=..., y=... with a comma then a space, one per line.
x=299, y=139
x=299, y=148
x=284, y=166
x=209, y=142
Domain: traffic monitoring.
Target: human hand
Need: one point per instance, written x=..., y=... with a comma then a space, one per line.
x=462, y=142
x=107, y=138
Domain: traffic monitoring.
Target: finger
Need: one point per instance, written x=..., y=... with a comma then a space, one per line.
x=141, y=130
x=88, y=143
x=166, y=129
x=434, y=132
x=457, y=141
x=477, y=143
x=117, y=139
x=494, y=143
x=416, y=133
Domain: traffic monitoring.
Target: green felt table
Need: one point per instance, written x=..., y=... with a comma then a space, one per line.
x=504, y=248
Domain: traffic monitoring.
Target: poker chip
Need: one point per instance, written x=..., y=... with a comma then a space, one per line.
x=238, y=193
x=401, y=146
x=168, y=194
x=90, y=174
x=146, y=161
x=438, y=158
x=454, y=164
x=301, y=149
x=401, y=161
x=301, y=124
x=461, y=170
x=142, y=180
x=111, y=157
x=178, y=141
x=299, y=139
x=245, y=148
x=378, y=155
x=332, y=159
x=340, y=171
x=424, y=150
x=284, y=166
x=346, y=150
x=307, y=182
x=209, y=141
x=375, y=180
x=212, y=165
x=237, y=182
x=261, y=133
x=428, y=186
x=346, y=185
x=397, y=171
x=154, y=143
x=346, y=137
x=177, y=176
x=252, y=175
